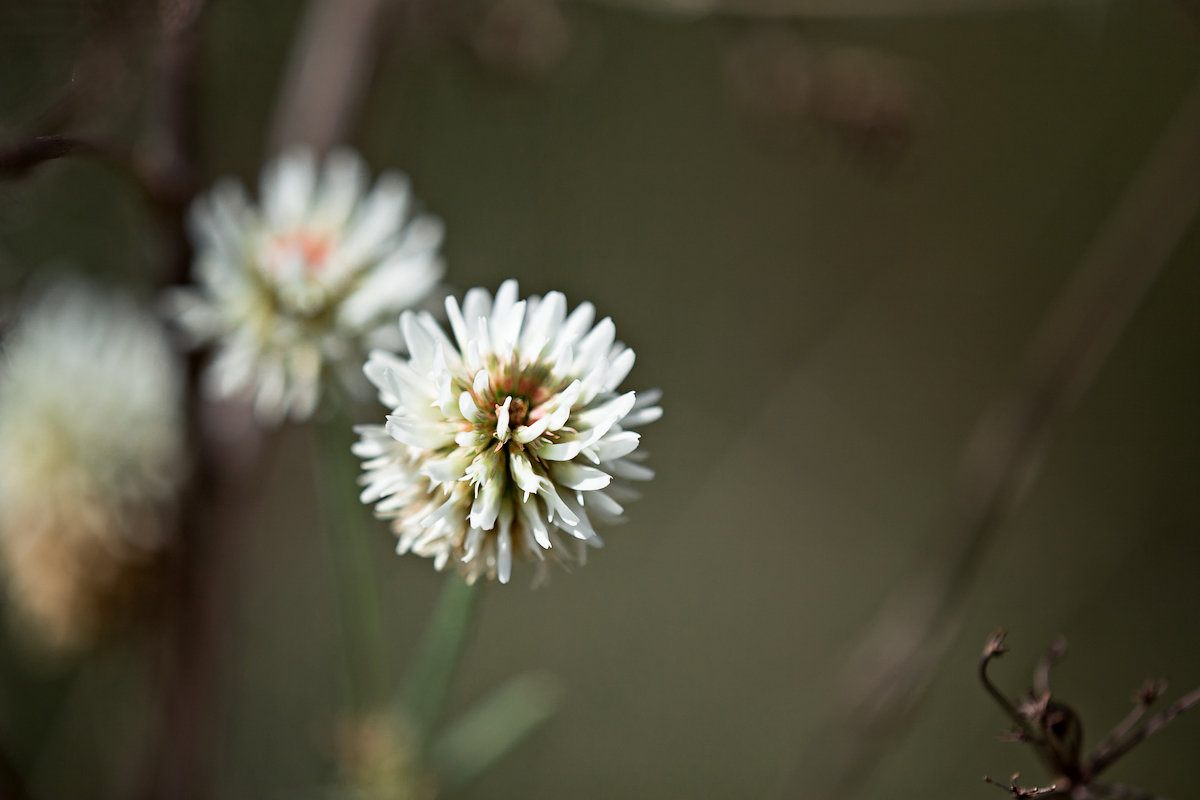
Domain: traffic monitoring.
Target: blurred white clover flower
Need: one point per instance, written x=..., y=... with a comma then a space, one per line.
x=91, y=455
x=306, y=284
x=504, y=443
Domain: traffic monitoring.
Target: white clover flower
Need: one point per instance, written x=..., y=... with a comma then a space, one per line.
x=504, y=443
x=91, y=455
x=306, y=284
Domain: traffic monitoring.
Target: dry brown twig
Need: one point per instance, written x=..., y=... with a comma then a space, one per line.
x=1053, y=730
x=100, y=91
x=18, y=160
x=1018, y=791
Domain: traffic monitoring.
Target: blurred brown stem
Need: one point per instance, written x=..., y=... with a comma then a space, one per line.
x=329, y=70
x=1145, y=697
x=199, y=593
x=177, y=763
x=1009, y=443
x=166, y=197
x=995, y=648
x=1104, y=759
x=177, y=148
x=18, y=160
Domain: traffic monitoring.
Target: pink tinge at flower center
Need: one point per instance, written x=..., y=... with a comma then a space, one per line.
x=310, y=248
x=522, y=395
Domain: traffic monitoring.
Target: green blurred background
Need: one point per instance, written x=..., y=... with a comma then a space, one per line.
x=828, y=309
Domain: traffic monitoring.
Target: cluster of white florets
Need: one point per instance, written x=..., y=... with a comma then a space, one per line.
x=506, y=439
x=91, y=453
x=303, y=285
x=504, y=442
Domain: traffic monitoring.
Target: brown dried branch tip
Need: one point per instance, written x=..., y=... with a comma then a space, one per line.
x=1016, y=791
x=1054, y=731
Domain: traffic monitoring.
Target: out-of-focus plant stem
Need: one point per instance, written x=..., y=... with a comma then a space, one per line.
x=357, y=590
x=329, y=70
x=432, y=669
x=199, y=567
x=488, y=732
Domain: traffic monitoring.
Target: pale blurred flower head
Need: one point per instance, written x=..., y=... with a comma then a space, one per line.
x=507, y=440
x=91, y=454
x=378, y=759
x=303, y=285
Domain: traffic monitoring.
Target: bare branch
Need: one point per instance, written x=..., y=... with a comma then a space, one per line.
x=1144, y=698
x=995, y=648
x=1041, y=673
x=1103, y=761
x=1018, y=791
x=18, y=160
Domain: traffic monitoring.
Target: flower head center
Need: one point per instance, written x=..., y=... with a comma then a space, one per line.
x=518, y=412
x=298, y=253
x=515, y=401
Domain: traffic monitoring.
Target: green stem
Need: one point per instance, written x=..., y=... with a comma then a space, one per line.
x=432, y=669
x=356, y=586
x=493, y=728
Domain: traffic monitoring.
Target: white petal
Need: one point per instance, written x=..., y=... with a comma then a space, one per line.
x=605, y=505
x=343, y=180
x=648, y=397
x=466, y=407
x=557, y=507
x=527, y=433
x=390, y=287
x=476, y=305
x=592, y=348
x=543, y=323
x=617, y=445
x=504, y=545
x=562, y=405
x=641, y=416
x=467, y=438
x=578, y=477
x=506, y=329
x=268, y=397
x=559, y=451
x=576, y=323
x=502, y=420
x=618, y=369
x=287, y=187
x=532, y=516
x=471, y=544
x=522, y=471
x=377, y=219
x=603, y=417
x=629, y=470
x=383, y=375
x=458, y=325
x=448, y=469
x=420, y=342
x=505, y=319
x=416, y=433
x=486, y=507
